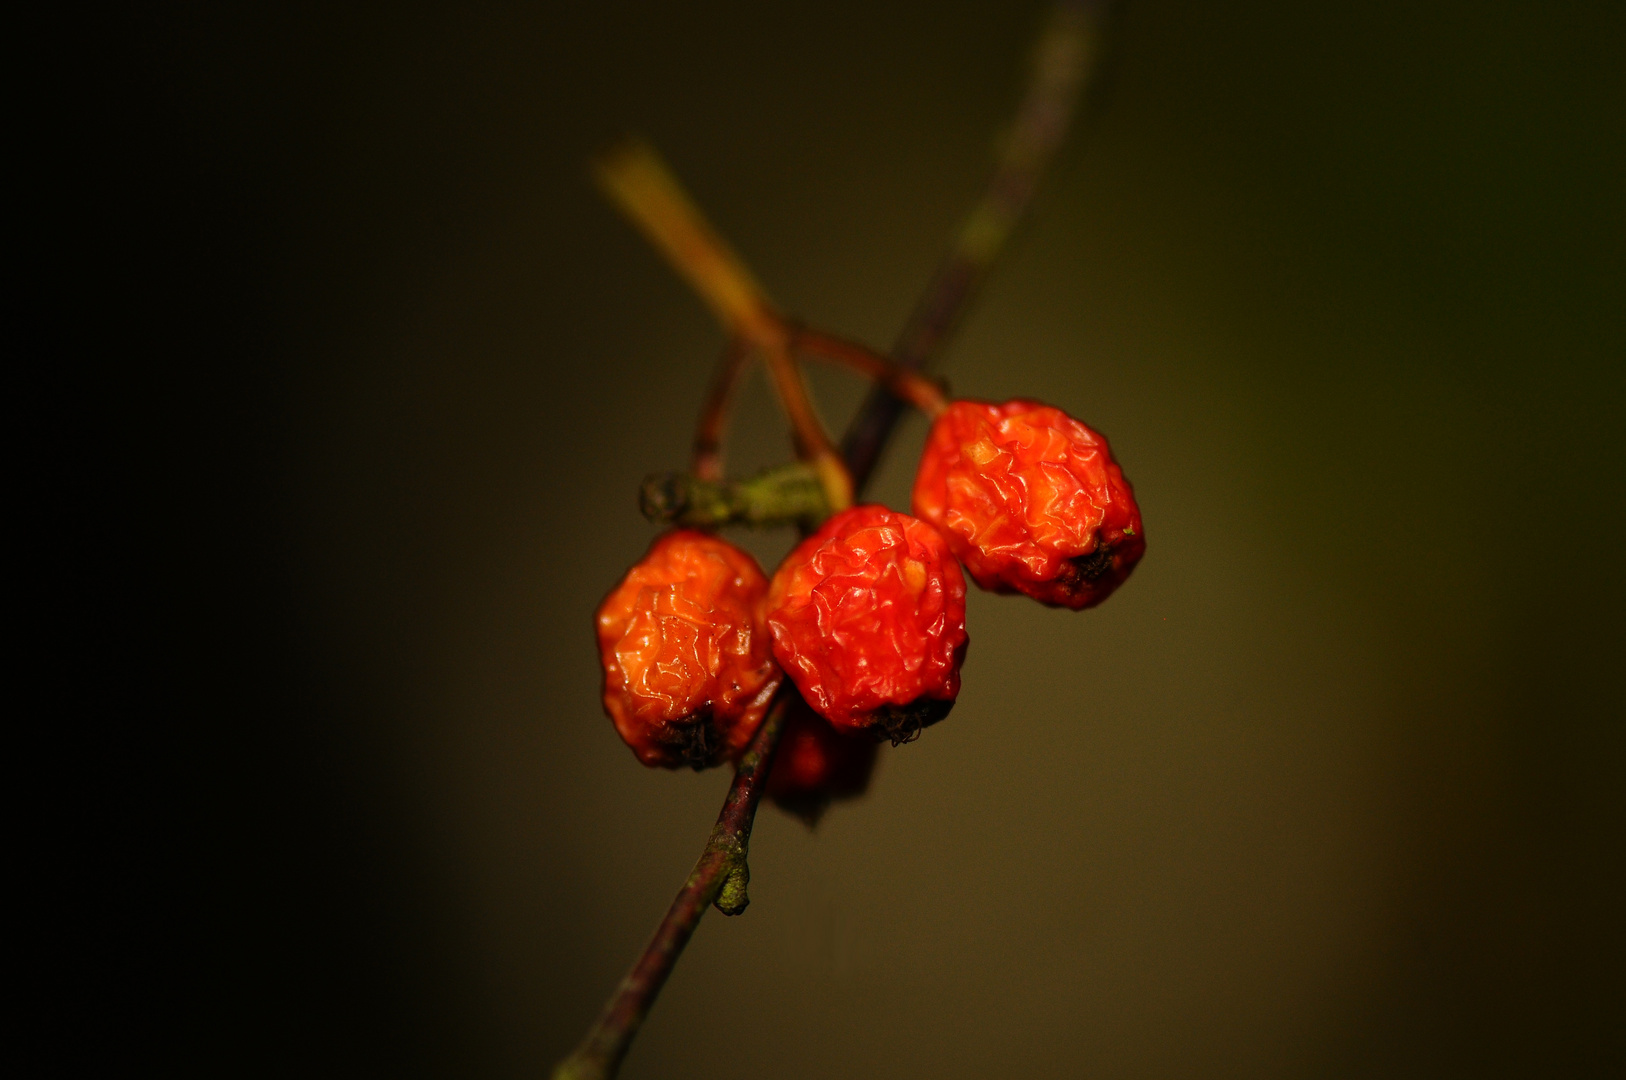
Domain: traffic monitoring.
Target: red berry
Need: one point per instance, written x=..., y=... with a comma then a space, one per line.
x=1031, y=501
x=816, y=764
x=868, y=619
x=688, y=667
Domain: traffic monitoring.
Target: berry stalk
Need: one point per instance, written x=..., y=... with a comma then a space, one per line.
x=708, y=433
x=902, y=383
x=639, y=182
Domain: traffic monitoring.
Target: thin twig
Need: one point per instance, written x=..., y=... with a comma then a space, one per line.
x=813, y=444
x=708, y=433
x=1062, y=62
x=1064, y=55
x=908, y=385
x=636, y=178
x=720, y=877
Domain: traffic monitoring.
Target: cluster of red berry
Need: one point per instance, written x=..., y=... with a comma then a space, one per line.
x=867, y=614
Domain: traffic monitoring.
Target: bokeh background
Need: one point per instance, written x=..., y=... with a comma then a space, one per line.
x=1332, y=787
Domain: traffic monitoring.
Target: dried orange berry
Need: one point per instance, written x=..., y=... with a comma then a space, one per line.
x=688, y=665
x=868, y=619
x=1031, y=501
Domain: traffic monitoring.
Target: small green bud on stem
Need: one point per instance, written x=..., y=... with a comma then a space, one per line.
x=786, y=495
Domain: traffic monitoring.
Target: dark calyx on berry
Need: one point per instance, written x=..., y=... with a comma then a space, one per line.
x=693, y=741
x=904, y=723
x=1077, y=581
x=1091, y=567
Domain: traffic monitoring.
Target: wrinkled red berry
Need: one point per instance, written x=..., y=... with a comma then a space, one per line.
x=688, y=665
x=868, y=619
x=816, y=764
x=1031, y=501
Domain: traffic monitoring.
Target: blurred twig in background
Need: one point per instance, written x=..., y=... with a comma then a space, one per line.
x=1062, y=64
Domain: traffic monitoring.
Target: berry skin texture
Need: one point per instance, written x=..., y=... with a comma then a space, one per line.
x=688, y=666
x=868, y=619
x=1031, y=501
x=816, y=765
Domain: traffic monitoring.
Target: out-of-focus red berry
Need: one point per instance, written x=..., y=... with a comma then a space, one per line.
x=688, y=665
x=816, y=764
x=868, y=619
x=1031, y=501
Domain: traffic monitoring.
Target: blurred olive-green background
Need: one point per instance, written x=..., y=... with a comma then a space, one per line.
x=1333, y=785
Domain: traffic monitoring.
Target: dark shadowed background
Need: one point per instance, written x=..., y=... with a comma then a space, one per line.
x=1332, y=787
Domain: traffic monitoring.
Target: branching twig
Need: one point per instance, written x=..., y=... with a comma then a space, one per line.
x=1061, y=64
x=634, y=175
x=903, y=383
x=1063, y=60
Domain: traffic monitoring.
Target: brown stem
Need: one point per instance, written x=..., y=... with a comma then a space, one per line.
x=812, y=442
x=1062, y=61
x=708, y=434
x=638, y=181
x=910, y=386
x=720, y=878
